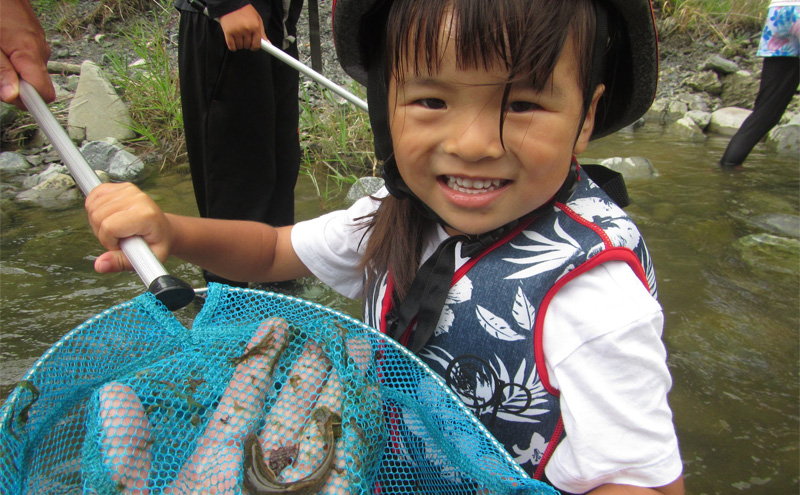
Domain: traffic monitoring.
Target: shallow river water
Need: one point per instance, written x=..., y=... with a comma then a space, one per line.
x=732, y=312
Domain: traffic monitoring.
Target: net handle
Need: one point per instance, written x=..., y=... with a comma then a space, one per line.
x=173, y=292
x=296, y=64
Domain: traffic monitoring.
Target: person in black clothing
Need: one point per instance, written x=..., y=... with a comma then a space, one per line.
x=240, y=109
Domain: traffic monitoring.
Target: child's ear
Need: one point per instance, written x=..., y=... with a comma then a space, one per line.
x=588, y=123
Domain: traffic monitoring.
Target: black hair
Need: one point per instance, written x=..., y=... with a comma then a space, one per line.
x=527, y=36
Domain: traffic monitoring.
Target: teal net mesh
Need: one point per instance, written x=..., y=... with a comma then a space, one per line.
x=266, y=394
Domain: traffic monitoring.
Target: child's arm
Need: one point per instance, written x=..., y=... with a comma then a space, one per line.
x=237, y=250
x=609, y=362
x=243, y=29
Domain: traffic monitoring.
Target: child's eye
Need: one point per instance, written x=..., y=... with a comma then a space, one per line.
x=431, y=103
x=522, y=106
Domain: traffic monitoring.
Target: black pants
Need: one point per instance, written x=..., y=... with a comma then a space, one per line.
x=240, y=112
x=779, y=79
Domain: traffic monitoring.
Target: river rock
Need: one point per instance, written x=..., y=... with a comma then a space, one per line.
x=720, y=65
x=695, y=101
x=770, y=253
x=676, y=109
x=96, y=111
x=126, y=167
x=56, y=191
x=33, y=180
x=689, y=129
x=118, y=164
x=726, y=121
x=7, y=191
x=780, y=224
x=699, y=117
x=13, y=162
x=98, y=154
x=706, y=81
x=632, y=167
x=657, y=112
x=739, y=90
x=364, y=186
x=786, y=138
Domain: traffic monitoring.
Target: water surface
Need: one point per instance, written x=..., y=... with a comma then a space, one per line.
x=732, y=313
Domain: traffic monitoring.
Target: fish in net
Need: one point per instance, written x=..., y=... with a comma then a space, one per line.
x=265, y=394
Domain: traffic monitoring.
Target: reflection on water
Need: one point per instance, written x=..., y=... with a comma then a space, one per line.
x=732, y=312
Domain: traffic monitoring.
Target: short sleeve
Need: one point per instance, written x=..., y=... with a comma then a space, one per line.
x=332, y=245
x=603, y=332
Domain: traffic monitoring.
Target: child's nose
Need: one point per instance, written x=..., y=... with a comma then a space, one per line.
x=476, y=137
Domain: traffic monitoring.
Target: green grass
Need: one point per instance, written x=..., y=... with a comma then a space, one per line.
x=336, y=140
x=151, y=88
x=726, y=20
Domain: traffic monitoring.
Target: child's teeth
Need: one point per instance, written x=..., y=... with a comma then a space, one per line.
x=472, y=186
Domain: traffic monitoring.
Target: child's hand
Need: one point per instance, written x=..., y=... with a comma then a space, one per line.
x=243, y=29
x=118, y=211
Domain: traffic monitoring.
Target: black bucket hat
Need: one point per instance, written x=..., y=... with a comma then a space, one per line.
x=634, y=70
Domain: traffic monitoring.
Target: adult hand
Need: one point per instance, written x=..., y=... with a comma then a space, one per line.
x=243, y=29
x=23, y=53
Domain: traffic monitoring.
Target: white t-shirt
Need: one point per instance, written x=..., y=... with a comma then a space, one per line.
x=607, y=359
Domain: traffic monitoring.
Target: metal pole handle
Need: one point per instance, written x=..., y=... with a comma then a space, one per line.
x=316, y=76
x=171, y=291
x=201, y=6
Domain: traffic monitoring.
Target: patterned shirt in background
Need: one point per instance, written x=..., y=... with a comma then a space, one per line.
x=781, y=34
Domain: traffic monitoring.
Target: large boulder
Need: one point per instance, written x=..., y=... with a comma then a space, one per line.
x=96, y=111
x=726, y=121
x=739, y=90
x=786, y=138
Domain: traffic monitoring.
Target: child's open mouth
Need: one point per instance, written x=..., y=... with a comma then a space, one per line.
x=473, y=186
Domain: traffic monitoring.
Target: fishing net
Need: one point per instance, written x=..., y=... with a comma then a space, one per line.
x=265, y=394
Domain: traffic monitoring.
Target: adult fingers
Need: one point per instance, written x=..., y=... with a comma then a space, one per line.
x=126, y=438
x=9, y=82
x=288, y=416
x=313, y=442
x=216, y=464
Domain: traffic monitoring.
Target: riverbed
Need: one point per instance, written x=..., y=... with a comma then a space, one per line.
x=732, y=310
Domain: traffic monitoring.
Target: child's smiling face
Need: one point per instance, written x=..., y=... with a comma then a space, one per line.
x=449, y=150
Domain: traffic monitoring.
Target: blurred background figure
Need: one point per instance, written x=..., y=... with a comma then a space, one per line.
x=780, y=74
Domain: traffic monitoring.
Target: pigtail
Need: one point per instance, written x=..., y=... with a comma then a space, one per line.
x=397, y=231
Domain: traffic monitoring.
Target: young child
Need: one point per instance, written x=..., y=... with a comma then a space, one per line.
x=493, y=256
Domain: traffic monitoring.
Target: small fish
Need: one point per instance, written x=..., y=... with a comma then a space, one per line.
x=259, y=479
x=22, y=416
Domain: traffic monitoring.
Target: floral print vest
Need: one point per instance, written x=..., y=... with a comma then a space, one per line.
x=488, y=342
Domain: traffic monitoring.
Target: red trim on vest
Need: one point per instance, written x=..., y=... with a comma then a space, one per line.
x=610, y=254
x=586, y=223
x=551, y=447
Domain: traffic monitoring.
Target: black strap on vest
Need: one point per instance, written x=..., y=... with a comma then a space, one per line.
x=431, y=284
x=426, y=296
x=610, y=181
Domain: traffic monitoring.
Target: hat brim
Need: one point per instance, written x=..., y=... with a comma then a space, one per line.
x=631, y=77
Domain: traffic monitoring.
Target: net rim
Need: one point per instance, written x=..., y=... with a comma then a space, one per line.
x=215, y=290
